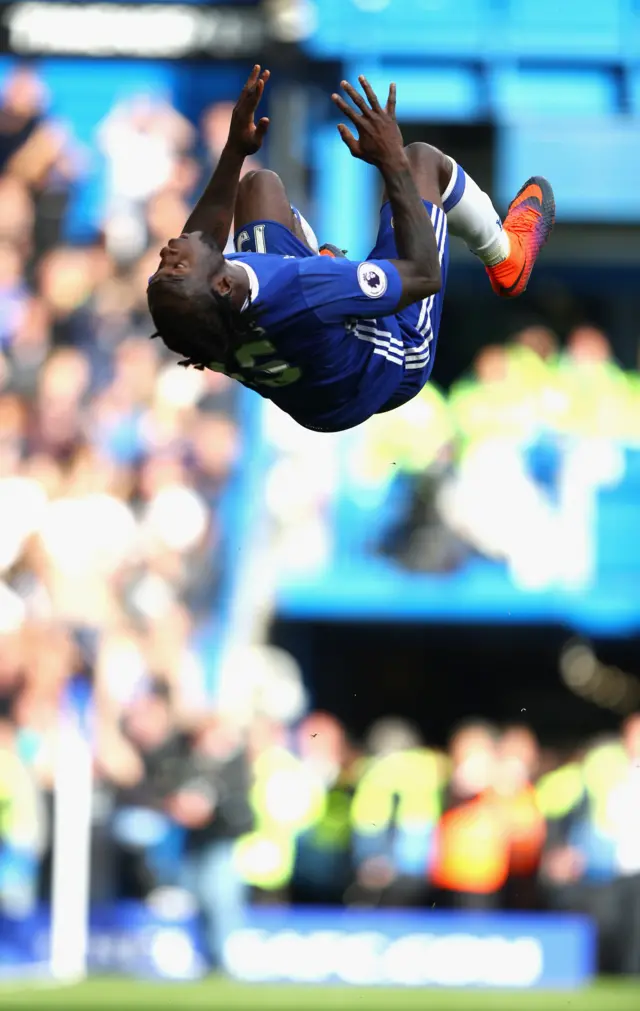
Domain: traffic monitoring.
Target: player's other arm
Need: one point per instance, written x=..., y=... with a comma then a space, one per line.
x=213, y=214
x=380, y=143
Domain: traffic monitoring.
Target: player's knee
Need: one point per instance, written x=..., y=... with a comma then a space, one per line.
x=260, y=181
x=428, y=160
x=423, y=154
x=248, y=178
x=262, y=197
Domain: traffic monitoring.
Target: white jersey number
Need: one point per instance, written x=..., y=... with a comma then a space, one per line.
x=259, y=240
x=274, y=372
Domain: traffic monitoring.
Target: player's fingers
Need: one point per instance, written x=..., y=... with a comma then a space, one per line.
x=261, y=129
x=253, y=77
x=348, y=110
x=349, y=139
x=265, y=75
x=355, y=96
x=255, y=93
x=391, y=101
x=370, y=93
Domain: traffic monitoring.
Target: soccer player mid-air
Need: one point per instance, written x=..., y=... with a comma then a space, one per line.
x=330, y=340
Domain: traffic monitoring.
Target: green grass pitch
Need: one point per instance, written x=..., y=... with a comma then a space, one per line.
x=223, y=995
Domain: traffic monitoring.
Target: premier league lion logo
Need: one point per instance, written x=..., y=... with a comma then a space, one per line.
x=372, y=280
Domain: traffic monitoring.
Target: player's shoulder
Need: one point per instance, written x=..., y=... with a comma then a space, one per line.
x=267, y=271
x=370, y=276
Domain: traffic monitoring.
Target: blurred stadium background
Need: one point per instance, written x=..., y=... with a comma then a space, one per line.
x=303, y=709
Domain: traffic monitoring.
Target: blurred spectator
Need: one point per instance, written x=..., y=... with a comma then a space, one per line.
x=141, y=140
x=39, y=152
x=17, y=215
x=184, y=178
x=11, y=670
x=215, y=448
x=593, y=415
x=323, y=861
x=516, y=773
x=30, y=342
x=492, y=501
x=214, y=126
x=287, y=799
x=594, y=387
x=22, y=828
x=152, y=772
x=472, y=849
x=14, y=295
x=585, y=866
x=24, y=100
x=166, y=214
x=212, y=806
x=541, y=340
x=396, y=808
x=67, y=282
x=624, y=817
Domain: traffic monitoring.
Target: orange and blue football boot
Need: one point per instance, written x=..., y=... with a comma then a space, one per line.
x=330, y=250
x=528, y=223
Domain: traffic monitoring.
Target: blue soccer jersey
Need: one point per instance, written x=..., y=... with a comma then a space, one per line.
x=329, y=348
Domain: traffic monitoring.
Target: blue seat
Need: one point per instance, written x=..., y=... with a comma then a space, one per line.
x=559, y=149
x=617, y=525
x=569, y=28
x=554, y=92
x=630, y=25
x=445, y=93
x=362, y=519
x=402, y=27
x=573, y=29
x=632, y=468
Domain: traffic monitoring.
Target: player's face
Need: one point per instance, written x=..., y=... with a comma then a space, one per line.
x=188, y=254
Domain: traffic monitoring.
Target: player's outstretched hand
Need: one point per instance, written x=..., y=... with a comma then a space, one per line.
x=245, y=136
x=379, y=140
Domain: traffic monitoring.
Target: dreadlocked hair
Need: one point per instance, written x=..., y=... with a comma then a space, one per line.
x=203, y=326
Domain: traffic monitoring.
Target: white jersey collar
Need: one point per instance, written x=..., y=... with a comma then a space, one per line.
x=254, y=283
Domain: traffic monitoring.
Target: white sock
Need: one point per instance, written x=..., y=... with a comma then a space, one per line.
x=472, y=217
x=309, y=233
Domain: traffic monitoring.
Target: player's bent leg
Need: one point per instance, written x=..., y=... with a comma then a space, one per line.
x=262, y=197
x=431, y=170
x=419, y=323
x=508, y=251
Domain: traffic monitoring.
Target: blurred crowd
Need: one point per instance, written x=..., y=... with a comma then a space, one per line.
x=116, y=468
x=531, y=460
x=284, y=806
x=516, y=457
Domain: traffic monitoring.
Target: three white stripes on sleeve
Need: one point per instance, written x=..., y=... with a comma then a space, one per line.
x=392, y=348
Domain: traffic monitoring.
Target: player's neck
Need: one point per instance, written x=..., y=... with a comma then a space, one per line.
x=239, y=282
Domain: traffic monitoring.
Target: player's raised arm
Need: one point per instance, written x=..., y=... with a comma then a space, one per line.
x=213, y=213
x=380, y=143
